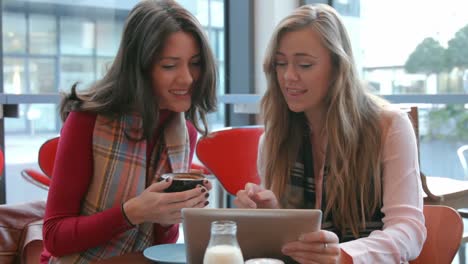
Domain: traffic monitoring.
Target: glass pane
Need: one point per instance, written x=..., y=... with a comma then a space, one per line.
x=14, y=75
x=443, y=129
x=108, y=37
x=42, y=76
x=14, y=32
x=15, y=125
x=76, y=69
x=217, y=14
x=43, y=36
x=42, y=118
x=76, y=36
x=221, y=39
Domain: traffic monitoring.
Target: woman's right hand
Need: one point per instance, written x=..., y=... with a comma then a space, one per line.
x=255, y=196
x=155, y=206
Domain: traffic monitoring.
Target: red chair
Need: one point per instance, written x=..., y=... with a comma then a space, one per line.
x=444, y=234
x=46, y=159
x=2, y=162
x=231, y=156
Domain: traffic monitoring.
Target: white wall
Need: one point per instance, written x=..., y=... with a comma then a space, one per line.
x=267, y=14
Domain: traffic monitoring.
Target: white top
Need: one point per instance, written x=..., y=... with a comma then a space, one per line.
x=404, y=232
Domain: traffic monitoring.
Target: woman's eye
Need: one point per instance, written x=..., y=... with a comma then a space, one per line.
x=280, y=63
x=305, y=65
x=196, y=63
x=169, y=66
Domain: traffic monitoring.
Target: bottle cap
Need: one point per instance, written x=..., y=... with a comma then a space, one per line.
x=264, y=261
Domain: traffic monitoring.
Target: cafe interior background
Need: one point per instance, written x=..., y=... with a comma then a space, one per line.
x=412, y=52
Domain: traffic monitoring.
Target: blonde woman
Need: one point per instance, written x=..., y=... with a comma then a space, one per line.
x=329, y=144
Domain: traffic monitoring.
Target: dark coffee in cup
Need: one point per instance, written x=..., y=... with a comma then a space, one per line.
x=183, y=181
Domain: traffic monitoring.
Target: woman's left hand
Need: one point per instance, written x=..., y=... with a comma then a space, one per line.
x=315, y=247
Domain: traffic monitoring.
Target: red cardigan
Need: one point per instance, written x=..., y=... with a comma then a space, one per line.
x=65, y=230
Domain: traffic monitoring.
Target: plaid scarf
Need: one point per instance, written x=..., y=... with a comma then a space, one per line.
x=302, y=192
x=120, y=173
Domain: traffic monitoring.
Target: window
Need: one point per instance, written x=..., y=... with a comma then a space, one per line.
x=49, y=46
x=418, y=48
x=77, y=36
x=42, y=77
x=14, y=32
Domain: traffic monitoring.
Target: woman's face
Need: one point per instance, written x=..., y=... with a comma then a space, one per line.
x=304, y=69
x=176, y=71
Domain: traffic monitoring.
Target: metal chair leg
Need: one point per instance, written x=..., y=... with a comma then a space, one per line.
x=462, y=254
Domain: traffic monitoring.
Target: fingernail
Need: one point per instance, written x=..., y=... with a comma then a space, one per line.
x=206, y=203
x=301, y=237
x=207, y=194
x=205, y=181
x=203, y=190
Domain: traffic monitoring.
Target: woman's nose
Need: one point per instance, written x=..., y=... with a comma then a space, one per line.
x=290, y=74
x=185, y=76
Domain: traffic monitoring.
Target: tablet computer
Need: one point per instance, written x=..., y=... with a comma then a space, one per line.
x=260, y=232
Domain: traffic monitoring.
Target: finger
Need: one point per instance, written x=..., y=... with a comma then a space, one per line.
x=173, y=207
x=186, y=195
x=207, y=184
x=296, y=246
x=265, y=195
x=201, y=204
x=201, y=199
x=322, y=236
x=252, y=188
x=244, y=200
x=318, y=248
x=160, y=186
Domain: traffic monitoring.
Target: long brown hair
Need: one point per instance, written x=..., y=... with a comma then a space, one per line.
x=126, y=87
x=352, y=125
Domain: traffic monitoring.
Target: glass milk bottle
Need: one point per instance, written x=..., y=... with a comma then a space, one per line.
x=223, y=246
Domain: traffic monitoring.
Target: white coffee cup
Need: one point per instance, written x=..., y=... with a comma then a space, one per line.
x=264, y=261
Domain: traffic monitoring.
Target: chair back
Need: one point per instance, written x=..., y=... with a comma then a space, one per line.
x=2, y=162
x=444, y=233
x=46, y=157
x=231, y=155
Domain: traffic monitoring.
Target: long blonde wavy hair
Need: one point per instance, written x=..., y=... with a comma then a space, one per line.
x=354, y=185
